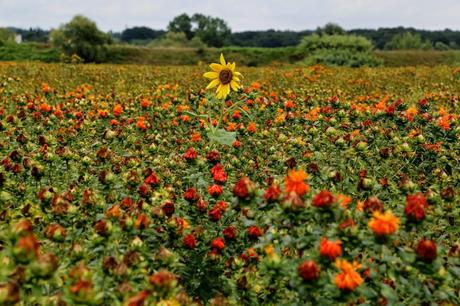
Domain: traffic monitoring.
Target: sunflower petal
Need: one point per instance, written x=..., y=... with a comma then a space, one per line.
x=211, y=75
x=234, y=85
x=216, y=67
x=219, y=90
x=226, y=90
x=213, y=84
x=222, y=60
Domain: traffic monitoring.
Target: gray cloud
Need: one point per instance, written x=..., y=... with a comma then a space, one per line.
x=240, y=14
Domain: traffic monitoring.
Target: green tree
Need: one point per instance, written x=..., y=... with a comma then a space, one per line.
x=214, y=32
x=140, y=34
x=181, y=23
x=407, y=41
x=330, y=29
x=82, y=37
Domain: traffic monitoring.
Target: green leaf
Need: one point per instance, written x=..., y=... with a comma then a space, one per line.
x=222, y=137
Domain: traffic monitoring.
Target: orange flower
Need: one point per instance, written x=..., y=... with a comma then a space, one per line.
x=102, y=113
x=348, y=279
x=196, y=137
x=383, y=224
x=117, y=110
x=294, y=182
x=252, y=127
x=289, y=104
x=231, y=126
x=46, y=88
x=145, y=103
x=343, y=200
x=330, y=249
x=444, y=122
x=313, y=114
x=45, y=107
x=256, y=85
x=141, y=123
x=411, y=112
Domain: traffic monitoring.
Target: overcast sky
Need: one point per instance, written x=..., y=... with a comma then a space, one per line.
x=240, y=14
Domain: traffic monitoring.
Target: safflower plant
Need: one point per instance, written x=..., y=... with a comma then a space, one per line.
x=132, y=185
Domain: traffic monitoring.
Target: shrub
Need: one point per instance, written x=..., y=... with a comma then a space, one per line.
x=6, y=36
x=338, y=50
x=177, y=40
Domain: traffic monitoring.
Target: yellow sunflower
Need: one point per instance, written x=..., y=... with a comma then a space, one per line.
x=223, y=76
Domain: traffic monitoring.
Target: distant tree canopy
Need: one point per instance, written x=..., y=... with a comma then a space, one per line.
x=330, y=29
x=269, y=38
x=408, y=41
x=140, y=33
x=382, y=36
x=81, y=37
x=214, y=32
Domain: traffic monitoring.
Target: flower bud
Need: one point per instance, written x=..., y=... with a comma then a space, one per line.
x=308, y=271
x=426, y=250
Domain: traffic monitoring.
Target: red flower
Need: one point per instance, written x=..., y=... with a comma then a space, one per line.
x=101, y=227
x=191, y=195
x=191, y=154
x=373, y=204
x=222, y=205
x=138, y=299
x=217, y=168
x=142, y=222
x=55, y=232
x=213, y=157
x=308, y=270
x=218, y=174
x=189, y=241
x=168, y=208
x=201, y=205
x=163, y=279
x=144, y=190
x=152, y=180
x=272, y=194
x=241, y=189
x=215, y=213
x=323, y=199
x=415, y=206
x=293, y=201
x=426, y=250
x=229, y=232
x=254, y=232
x=28, y=245
x=215, y=190
x=330, y=249
x=218, y=244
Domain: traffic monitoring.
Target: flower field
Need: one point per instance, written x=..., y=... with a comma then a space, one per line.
x=133, y=185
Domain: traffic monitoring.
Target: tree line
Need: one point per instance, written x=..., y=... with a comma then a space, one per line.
x=215, y=32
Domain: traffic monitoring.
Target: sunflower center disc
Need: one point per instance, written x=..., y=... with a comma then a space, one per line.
x=225, y=76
